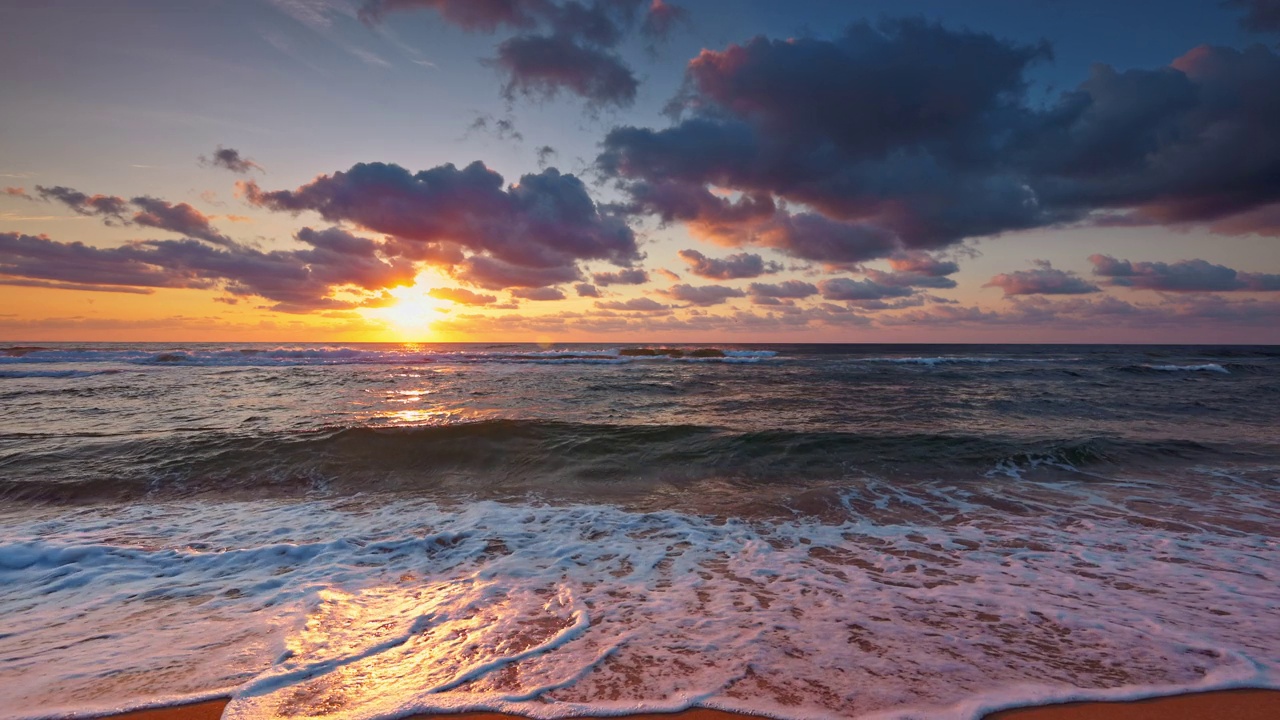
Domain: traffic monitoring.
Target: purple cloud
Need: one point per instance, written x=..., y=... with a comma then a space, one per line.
x=631, y=276
x=230, y=159
x=944, y=143
x=530, y=234
x=1183, y=276
x=856, y=290
x=297, y=281
x=568, y=46
x=1261, y=15
x=1043, y=280
x=741, y=265
x=702, y=295
x=586, y=290
x=788, y=289
x=108, y=207
x=180, y=218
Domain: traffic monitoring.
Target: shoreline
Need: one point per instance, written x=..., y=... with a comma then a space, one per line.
x=1237, y=704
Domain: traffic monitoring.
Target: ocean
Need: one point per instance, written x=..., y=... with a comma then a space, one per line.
x=800, y=531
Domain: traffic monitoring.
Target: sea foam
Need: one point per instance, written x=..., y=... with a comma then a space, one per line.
x=380, y=608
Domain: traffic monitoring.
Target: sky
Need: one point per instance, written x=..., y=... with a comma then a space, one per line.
x=640, y=171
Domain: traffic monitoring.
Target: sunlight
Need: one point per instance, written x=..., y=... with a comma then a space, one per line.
x=414, y=310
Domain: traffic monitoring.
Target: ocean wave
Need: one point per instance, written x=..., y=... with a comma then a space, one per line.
x=518, y=456
x=289, y=356
x=19, y=374
x=1170, y=368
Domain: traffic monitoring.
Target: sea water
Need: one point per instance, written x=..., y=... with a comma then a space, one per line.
x=796, y=531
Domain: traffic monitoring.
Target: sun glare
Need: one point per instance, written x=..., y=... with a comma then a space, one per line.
x=414, y=310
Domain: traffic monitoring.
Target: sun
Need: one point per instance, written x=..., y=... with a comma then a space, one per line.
x=414, y=310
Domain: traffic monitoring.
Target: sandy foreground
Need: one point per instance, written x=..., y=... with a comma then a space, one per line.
x=1224, y=705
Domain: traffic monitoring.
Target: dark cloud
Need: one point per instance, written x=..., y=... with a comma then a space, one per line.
x=472, y=15
x=569, y=45
x=539, y=67
x=503, y=128
x=494, y=274
x=1184, y=276
x=297, y=281
x=1043, y=280
x=1188, y=143
x=462, y=296
x=702, y=295
x=1261, y=16
x=230, y=159
x=630, y=276
x=545, y=153
x=530, y=234
x=538, y=293
x=910, y=279
x=789, y=289
x=180, y=218
x=108, y=207
x=854, y=290
x=586, y=290
x=943, y=144
x=733, y=267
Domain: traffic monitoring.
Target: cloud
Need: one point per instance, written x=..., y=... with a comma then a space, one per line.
x=1183, y=276
x=230, y=159
x=538, y=293
x=462, y=296
x=641, y=304
x=108, y=207
x=740, y=265
x=530, y=234
x=855, y=290
x=790, y=289
x=297, y=281
x=558, y=46
x=702, y=295
x=545, y=153
x=18, y=192
x=494, y=274
x=503, y=128
x=944, y=143
x=1261, y=16
x=586, y=290
x=180, y=218
x=631, y=276
x=1043, y=280
x=539, y=67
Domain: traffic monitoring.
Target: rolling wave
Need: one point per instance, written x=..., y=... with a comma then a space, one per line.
x=518, y=456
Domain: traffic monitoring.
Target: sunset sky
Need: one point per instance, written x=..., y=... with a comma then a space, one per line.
x=640, y=170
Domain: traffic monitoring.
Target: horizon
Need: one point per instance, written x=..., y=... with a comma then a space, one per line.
x=423, y=171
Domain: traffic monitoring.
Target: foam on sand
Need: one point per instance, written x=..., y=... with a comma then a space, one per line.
x=377, y=610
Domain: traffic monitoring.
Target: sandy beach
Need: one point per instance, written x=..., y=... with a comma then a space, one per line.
x=1233, y=704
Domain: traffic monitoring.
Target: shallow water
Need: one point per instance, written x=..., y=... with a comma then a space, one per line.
x=800, y=531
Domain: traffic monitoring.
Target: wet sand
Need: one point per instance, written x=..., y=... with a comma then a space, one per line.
x=1233, y=704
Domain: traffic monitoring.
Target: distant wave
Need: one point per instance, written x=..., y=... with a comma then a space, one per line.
x=1149, y=368
x=284, y=356
x=17, y=374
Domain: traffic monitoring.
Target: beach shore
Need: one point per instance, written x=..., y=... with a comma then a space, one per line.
x=1234, y=704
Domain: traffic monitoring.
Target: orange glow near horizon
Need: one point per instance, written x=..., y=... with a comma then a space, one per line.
x=414, y=311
